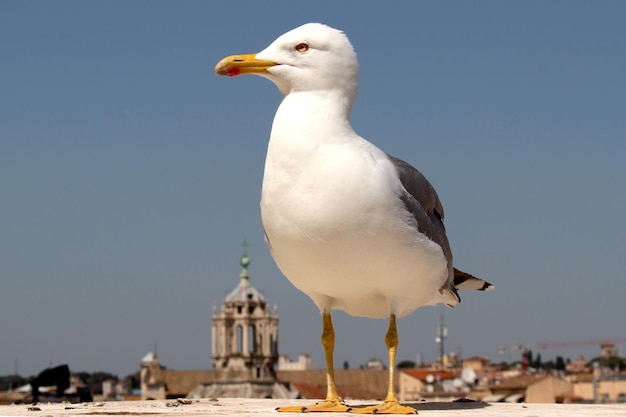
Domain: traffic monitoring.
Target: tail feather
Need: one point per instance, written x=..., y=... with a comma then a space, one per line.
x=462, y=281
x=465, y=281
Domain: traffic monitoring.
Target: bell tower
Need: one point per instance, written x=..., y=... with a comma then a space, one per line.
x=245, y=333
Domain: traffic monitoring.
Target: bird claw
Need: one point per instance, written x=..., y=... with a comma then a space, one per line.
x=387, y=407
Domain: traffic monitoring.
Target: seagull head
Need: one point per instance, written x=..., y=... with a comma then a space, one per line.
x=312, y=57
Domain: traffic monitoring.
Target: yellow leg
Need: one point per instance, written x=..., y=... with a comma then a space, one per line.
x=333, y=401
x=391, y=404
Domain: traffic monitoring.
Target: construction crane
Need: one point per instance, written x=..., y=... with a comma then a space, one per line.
x=597, y=342
x=525, y=348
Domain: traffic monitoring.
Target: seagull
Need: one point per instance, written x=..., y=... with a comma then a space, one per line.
x=352, y=227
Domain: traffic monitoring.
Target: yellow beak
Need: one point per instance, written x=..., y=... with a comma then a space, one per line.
x=242, y=64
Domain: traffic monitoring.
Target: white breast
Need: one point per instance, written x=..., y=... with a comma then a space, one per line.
x=337, y=228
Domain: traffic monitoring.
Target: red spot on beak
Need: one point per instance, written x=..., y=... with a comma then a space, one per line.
x=233, y=71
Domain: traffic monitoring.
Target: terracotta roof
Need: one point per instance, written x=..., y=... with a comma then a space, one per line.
x=422, y=374
x=358, y=392
x=309, y=391
x=346, y=391
x=515, y=383
x=352, y=384
x=180, y=383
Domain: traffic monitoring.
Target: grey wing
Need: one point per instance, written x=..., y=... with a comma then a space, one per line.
x=422, y=201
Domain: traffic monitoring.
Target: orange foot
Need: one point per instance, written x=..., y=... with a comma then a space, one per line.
x=387, y=407
x=324, y=406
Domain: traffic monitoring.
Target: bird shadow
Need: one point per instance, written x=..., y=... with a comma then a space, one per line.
x=448, y=405
x=442, y=405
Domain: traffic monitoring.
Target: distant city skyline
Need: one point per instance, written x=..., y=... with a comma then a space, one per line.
x=130, y=174
x=509, y=353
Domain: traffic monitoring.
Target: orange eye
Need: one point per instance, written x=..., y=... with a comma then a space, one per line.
x=302, y=47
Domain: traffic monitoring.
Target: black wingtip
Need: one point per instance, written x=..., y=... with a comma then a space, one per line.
x=465, y=281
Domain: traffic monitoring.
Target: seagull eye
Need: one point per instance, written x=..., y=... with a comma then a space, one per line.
x=302, y=47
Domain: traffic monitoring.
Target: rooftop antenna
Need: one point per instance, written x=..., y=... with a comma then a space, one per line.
x=442, y=334
x=15, y=373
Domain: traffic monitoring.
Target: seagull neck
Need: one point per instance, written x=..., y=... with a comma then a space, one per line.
x=318, y=112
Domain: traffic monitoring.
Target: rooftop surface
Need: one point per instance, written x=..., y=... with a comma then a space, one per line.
x=265, y=407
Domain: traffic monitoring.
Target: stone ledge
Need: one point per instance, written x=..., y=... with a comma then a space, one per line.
x=266, y=407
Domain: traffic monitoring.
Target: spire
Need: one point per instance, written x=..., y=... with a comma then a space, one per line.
x=244, y=292
x=244, y=262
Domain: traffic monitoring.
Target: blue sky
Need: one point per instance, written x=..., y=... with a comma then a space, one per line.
x=130, y=174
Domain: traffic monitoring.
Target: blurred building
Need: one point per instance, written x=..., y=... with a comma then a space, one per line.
x=303, y=363
x=245, y=346
x=152, y=381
